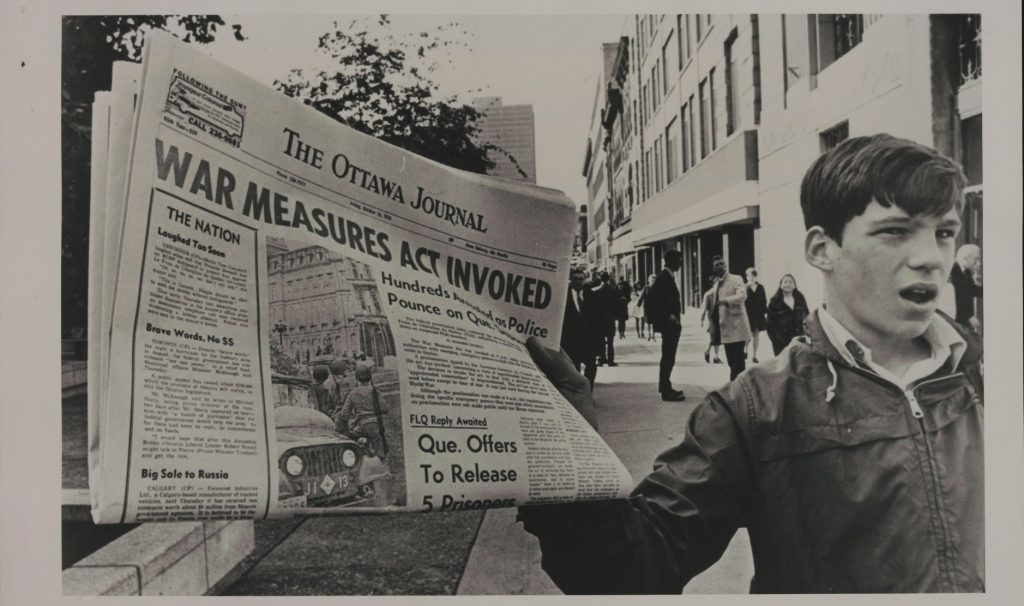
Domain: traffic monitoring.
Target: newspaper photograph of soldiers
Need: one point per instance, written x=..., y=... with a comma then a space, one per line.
x=337, y=403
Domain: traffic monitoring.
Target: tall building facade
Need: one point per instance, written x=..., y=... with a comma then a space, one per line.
x=596, y=164
x=511, y=128
x=729, y=111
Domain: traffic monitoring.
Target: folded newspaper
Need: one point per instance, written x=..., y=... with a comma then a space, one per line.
x=296, y=318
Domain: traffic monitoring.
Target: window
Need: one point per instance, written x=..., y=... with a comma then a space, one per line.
x=834, y=136
x=834, y=36
x=795, y=58
x=671, y=153
x=643, y=104
x=642, y=35
x=647, y=174
x=848, y=31
x=707, y=129
x=657, y=164
x=637, y=198
x=686, y=32
x=703, y=25
x=969, y=46
x=970, y=135
x=666, y=67
x=687, y=154
x=712, y=103
x=654, y=87
x=732, y=102
x=692, y=131
x=679, y=40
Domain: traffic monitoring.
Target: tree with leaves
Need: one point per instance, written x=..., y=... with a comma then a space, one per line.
x=381, y=84
x=90, y=45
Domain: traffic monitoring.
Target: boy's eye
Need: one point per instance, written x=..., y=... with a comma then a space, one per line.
x=946, y=233
x=892, y=231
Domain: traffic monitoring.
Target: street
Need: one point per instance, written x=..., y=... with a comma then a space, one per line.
x=471, y=553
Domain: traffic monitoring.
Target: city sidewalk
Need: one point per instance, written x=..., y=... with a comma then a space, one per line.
x=638, y=425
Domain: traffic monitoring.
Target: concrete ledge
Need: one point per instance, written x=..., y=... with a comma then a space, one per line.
x=101, y=580
x=177, y=558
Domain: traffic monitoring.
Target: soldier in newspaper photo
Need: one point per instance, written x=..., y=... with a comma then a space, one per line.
x=865, y=438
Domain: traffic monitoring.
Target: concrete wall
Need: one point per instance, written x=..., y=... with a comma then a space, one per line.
x=180, y=558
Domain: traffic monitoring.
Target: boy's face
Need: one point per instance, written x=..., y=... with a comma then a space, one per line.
x=889, y=271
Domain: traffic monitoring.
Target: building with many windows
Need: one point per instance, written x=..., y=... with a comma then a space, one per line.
x=511, y=128
x=596, y=168
x=727, y=112
x=324, y=304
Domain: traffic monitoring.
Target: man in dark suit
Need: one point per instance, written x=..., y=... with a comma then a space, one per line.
x=580, y=326
x=606, y=296
x=665, y=312
x=965, y=285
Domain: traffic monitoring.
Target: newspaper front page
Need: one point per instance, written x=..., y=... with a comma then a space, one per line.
x=308, y=320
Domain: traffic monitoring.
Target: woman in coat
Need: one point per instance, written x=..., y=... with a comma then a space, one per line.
x=757, y=306
x=787, y=311
x=709, y=312
x=647, y=306
x=636, y=308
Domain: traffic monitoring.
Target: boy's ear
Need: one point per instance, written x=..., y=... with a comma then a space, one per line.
x=820, y=249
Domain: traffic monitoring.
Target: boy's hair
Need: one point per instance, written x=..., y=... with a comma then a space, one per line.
x=841, y=183
x=673, y=254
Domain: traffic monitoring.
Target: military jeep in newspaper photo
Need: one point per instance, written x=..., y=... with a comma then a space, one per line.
x=317, y=465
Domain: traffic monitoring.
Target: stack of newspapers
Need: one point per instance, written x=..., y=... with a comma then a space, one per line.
x=290, y=317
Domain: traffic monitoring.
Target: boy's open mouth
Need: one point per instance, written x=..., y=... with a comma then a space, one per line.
x=920, y=293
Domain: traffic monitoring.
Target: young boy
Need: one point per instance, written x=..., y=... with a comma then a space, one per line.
x=854, y=459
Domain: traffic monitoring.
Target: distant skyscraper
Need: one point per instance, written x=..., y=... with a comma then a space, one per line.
x=509, y=127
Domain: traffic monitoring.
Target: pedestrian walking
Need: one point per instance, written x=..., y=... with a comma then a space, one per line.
x=622, y=311
x=651, y=279
x=580, y=326
x=664, y=308
x=787, y=311
x=847, y=473
x=607, y=298
x=636, y=308
x=757, y=307
x=709, y=312
x=733, y=326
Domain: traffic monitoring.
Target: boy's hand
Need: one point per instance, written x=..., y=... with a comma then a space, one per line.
x=559, y=369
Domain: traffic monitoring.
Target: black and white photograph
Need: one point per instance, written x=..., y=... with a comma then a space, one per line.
x=336, y=399
x=534, y=301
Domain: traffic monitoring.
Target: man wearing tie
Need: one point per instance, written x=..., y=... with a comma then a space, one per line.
x=665, y=315
x=580, y=327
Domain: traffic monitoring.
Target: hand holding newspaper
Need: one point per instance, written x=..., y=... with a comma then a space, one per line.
x=298, y=318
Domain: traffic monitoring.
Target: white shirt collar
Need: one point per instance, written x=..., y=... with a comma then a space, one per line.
x=944, y=341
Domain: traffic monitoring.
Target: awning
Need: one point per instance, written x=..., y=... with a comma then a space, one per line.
x=735, y=205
